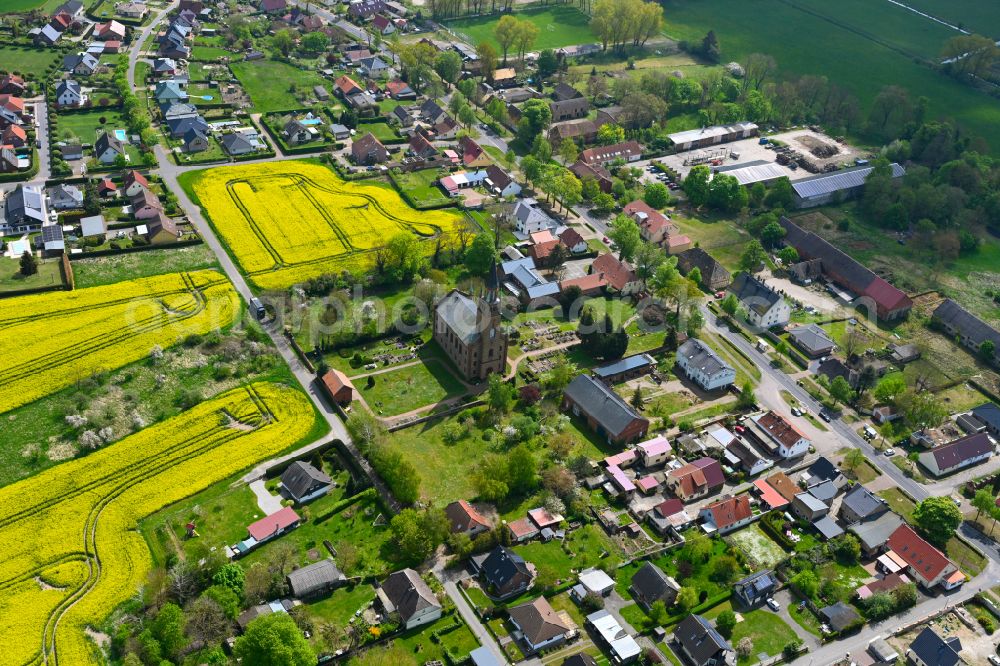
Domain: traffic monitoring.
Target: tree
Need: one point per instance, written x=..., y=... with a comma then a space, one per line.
x=696, y=184
x=29, y=265
x=547, y=63
x=725, y=193
x=840, y=390
x=987, y=351
x=937, y=518
x=656, y=195
x=725, y=623
x=522, y=470
x=610, y=133
x=890, y=387
x=487, y=59
x=535, y=118
x=418, y=533
x=206, y=621
x=168, y=629
x=846, y=548
x=687, y=598
x=481, y=254
x=753, y=257
x=772, y=234
x=227, y=600
x=506, y=33
x=923, y=409
x=231, y=576
x=448, y=66
x=710, y=48
x=315, y=42
x=780, y=195
x=624, y=232
x=853, y=459
x=745, y=647
x=527, y=33
x=499, y=395
x=568, y=151
x=636, y=400
x=747, y=398
x=806, y=582
x=983, y=500
x=788, y=255
x=730, y=304
x=969, y=56
x=274, y=640
x=724, y=568
x=283, y=42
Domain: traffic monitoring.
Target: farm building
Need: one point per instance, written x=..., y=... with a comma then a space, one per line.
x=605, y=412
x=825, y=188
x=710, y=136
x=754, y=172
x=969, y=450
x=967, y=327
x=714, y=275
x=626, y=368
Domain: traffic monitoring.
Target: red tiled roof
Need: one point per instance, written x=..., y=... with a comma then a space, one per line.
x=618, y=274
x=784, y=485
x=654, y=220
x=769, y=494
x=669, y=507
x=571, y=237
x=779, y=428
x=587, y=283
x=396, y=86
x=522, y=528
x=268, y=525
x=335, y=380
x=543, y=250
x=135, y=177
x=924, y=560
x=464, y=517
x=887, y=296
x=346, y=85
x=729, y=511
x=543, y=518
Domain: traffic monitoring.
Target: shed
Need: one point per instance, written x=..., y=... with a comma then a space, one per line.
x=315, y=579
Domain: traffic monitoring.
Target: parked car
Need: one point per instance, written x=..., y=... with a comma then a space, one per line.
x=993, y=659
x=720, y=295
x=773, y=605
x=890, y=453
x=825, y=416
x=796, y=411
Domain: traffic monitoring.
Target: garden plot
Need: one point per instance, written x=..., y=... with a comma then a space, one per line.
x=761, y=551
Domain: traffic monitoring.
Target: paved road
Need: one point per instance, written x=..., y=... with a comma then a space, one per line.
x=42, y=134
x=482, y=634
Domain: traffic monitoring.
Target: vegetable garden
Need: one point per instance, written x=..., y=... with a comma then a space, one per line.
x=72, y=549
x=53, y=339
x=285, y=222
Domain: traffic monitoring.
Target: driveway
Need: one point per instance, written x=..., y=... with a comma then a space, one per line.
x=472, y=620
x=267, y=502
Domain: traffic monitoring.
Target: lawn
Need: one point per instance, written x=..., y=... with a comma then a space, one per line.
x=886, y=45
x=210, y=53
x=403, y=390
x=84, y=125
x=899, y=503
x=116, y=268
x=420, y=188
x=557, y=26
x=27, y=60
x=767, y=630
x=761, y=550
x=461, y=641
x=973, y=15
x=719, y=237
x=340, y=606
x=381, y=130
x=805, y=619
x=588, y=547
x=272, y=86
x=49, y=274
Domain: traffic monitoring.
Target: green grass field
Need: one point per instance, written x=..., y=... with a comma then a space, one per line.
x=973, y=15
x=421, y=188
x=768, y=632
x=11, y=279
x=117, y=268
x=812, y=37
x=382, y=131
x=409, y=388
x=27, y=60
x=84, y=125
x=269, y=83
x=209, y=53
x=557, y=26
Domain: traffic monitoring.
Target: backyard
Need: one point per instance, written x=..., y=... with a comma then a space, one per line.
x=767, y=630
x=587, y=547
x=272, y=86
x=557, y=26
x=28, y=60
x=420, y=188
x=49, y=274
x=407, y=388
x=760, y=549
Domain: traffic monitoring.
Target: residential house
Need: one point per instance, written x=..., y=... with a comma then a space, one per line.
x=194, y=141
x=655, y=452
x=383, y=24
x=346, y=86
x=621, y=277
x=373, y=67
x=820, y=471
x=874, y=534
x=861, y=505
x=605, y=411
x=267, y=528
x=295, y=133
x=537, y=625
x=654, y=226
x=65, y=197
x=505, y=573
x=874, y=294
x=593, y=581
x=595, y=172
x=777, y=435
x=573, y=241
x=501, y=183
x=106, y=187
x=366, y=9
x=133, y=183
x=505, y=77
x=169, y=92
x=769, y=495
x=272, y=6
x=700, y=644
x=400, y=90
x=421, y=147
x=471, y=332
x=472, y=153
x=179, y=110
x=964, y=452
x=714, y=276
x=611, y=115
x=107, y=149
x=110, y=30
x=93, y=225
x=179, y=127
x=627, y=151
x=969, y=329
x=432, y=112
x=764, y=306
x=569, y=109
x=314, y=580
x=145, y=205
x=807, y=507
x=15, y=137
x=70, y=93
x=612, y=637
x=368, y=150
x=47, y=35
x=161, y=229
x=727, y=514
x=564, y=91
x=81, y=64
x=697, y=479
x=744, y=455
x=669, y=514
x=824, y=188
x=466, y=519
x=340, y=132
x=756, y=588
x=703, y=366
x=304, y=483
x=929, y=649
x=582, y=130
x=812, y=340
x=650, y=585
x=404, y=593
x=840, y=616
x=529, y=217
x=711, y=136
x=12, y=111
x=12, y=84
x=925, y=563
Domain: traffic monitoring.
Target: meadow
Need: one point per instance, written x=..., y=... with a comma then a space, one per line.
x=54, y=339
x=270, y=84
x=812, y=37
x=27, y=60
x=557, y=26
x=285, y=222
x=973, y=15
x=72, y=550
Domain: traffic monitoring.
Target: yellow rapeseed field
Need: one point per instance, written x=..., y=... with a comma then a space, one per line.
x=48, y=341
x=291, y=220
x=72, y=552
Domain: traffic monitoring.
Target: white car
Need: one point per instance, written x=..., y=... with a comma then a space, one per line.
x=993, y=659
x=890, y=453
x=773, y=605
x=796, y=411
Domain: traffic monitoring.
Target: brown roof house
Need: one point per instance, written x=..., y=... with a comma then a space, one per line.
x=604, y=410
x=714, y=276
x=466, y=519
x=338, y=387
x=620, y=276
x=404, y=593
x=538, y=626
x=161, y=229
x=368, y=150
x=728, y=514
x=696, y=479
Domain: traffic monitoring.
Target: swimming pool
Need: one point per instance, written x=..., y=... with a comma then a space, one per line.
x=310, y=121
x=120, y=134
x=207, y=98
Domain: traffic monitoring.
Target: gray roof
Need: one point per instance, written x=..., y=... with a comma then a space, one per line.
x=179, y=110
x=700, y=639
x=527, y=210
x=701, y=356
x=460, y=313
x=502, y=565
x=968, y=324
x=824, y=492
x=66, y=192
x=408, y=593
x=988, y=413
x=811, y=337
x=875, y=533
x=811, y=502
x=696, y=257
x=236, y=143
x=624, y=365
x=753, y=293
x=315, y=577
x=106, y=141
x=70, y=85
x=961, y=450
x=932, y=649
x=839, y=615
x=300, y=477
x=864, y=502
x=828, y=183
x=756, y=585
x=828, y=527
x=25, y=203
x=651, y=584
x=601, y=403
